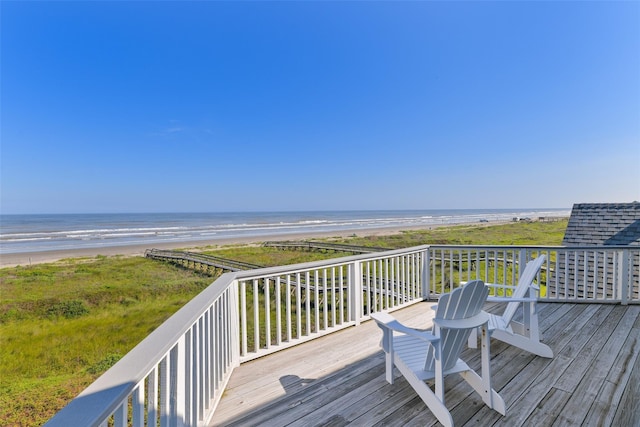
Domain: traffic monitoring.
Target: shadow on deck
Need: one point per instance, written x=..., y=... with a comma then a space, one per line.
x=338, y=380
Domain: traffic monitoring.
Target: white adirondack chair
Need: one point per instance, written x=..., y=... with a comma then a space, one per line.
x=525, y=334
x=422, y=356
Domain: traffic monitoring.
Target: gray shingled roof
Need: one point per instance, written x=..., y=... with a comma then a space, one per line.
x=603, y=224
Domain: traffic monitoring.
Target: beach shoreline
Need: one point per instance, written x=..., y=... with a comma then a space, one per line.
x=41, y=257
x=35, y=239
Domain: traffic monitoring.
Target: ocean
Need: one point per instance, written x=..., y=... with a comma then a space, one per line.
x=36, y=233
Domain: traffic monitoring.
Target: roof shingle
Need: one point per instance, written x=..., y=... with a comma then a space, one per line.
x=603, y=224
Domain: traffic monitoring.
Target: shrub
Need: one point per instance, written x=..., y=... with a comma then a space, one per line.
x=104, y=364
x=68, y=309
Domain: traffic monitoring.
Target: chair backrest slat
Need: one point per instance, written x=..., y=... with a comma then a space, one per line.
x=462, y=303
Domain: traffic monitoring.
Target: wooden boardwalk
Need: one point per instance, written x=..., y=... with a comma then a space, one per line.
x=198, y=261
x=338, y=380
x=324, y=247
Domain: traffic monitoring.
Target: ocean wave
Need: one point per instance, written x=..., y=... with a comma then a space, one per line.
x=25, y=233
x=31, y=239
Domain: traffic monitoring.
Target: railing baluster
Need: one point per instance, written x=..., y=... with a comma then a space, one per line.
x=288, y=307
x=152, y=397
x=120, y=416
x=596, y=268
x=333, y=296
x=378, y=284
x=217, y=348
x=164, y=392
x=624, y=277
x=316, y=302
x=425, y=274
x=190, y=377
x=307, y=289
x=388, y=284
x=200, y=370
x=278, y=310
x=226, y=298
x=342, y=296
x=585, y=269
x=267, y=312
x=413, y=268
x=486, y=266
x=256, y=316
x=243, y=316
x=207, y=359
x=349, y=306
x=298, y=307
x=137, y=403
x=453, y=261
x=367, y=288
x=402, y=260
x=325, y=309
x=395, y=290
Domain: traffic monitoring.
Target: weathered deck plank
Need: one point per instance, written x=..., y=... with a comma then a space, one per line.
x=338, y=380
x=530, y=384
x=623, y=367
x=594, y=378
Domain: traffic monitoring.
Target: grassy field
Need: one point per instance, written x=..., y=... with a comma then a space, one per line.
x=63, y=324
x=520, y=233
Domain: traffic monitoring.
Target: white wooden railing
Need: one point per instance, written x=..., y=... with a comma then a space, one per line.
x=570, y=274
x=177, y=375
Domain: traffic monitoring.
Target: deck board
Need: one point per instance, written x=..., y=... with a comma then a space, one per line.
x=338, y=380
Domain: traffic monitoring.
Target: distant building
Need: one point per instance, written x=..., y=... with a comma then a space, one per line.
x=599, y=224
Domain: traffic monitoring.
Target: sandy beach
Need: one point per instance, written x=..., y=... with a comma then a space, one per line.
x=29, y=258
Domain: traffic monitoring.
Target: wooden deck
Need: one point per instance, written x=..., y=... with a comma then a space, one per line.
x=338, y=380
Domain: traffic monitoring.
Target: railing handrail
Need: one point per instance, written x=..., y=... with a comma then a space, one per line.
x=538, y=247
x=292, y=268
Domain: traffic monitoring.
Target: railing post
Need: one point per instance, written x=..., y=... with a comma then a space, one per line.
x=623, y=276
x=356, y=292
x=426, y=274
x=522, y=261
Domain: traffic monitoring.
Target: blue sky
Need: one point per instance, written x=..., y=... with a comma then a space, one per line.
x=262, y=106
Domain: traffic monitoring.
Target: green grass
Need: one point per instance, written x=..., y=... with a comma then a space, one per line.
x=63, y=324
x=520, y=233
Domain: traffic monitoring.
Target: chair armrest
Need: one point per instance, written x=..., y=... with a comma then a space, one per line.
x=511, y=287
x=385, y=320
x=500, y=286
x=510, y=299
x=467, y=323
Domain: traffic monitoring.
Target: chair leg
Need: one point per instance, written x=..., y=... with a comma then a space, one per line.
x=531, y=345
x=389, y=367
x=387, y=345
x=482, y=385
x=435, y=405
x=491, y=398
